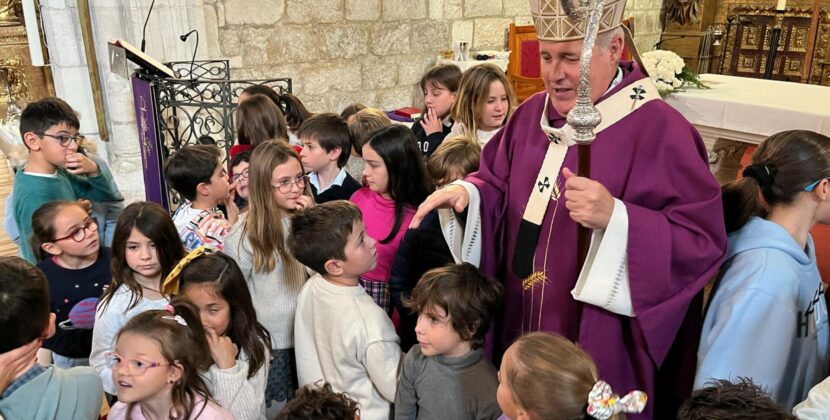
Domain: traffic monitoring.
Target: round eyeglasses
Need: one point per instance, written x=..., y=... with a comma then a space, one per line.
x=79, y=233
x=64, y=140
x=285, y=185
x=135, y=367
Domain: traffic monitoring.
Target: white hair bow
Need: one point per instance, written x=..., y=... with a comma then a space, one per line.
x=603, y=403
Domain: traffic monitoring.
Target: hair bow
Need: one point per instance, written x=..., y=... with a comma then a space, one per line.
x=170, y=286
x=177, y=318
x=603, y=403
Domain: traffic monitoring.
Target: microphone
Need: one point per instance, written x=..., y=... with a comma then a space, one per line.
x=144, y=31
x=662, y=40
x=193, y=60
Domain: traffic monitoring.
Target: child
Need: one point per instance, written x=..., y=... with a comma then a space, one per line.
x=485, y=101
x=361, y=126
x=742, y=400
x=447, y=375
x=278, y=187
x=397, y=185
x=349, y=111
x=239, y=178
x=540, y=362
x=145, y=249
x=157, y=361
x=56, y=170
x=196, y=172
x=439, y=85
x=239, y=345
x=35, y=391
x=320, y=403
x=341, y=336
x=326, y=149
x=769, y=294
x=65, y=238
x=427, y=247
x=258, y=119
x=295, y=115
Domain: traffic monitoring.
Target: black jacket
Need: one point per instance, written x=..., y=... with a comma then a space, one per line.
x=421, y=250
x=337, y=192
x=428, y=144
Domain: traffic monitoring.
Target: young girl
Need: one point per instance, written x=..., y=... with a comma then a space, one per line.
x=769, y=294
x=277, y=187
x=65, y=240
x=485, y=101
x=295, y=113
x=157, y=361
x=258, y=119
x=540, y=362
x=145, y=248
x=397, y=184
x=439, y=85
x=239, y=345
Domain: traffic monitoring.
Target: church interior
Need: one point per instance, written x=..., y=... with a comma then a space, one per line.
x=148, y=78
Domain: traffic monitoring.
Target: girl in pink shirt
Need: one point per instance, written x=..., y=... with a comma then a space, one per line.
x=397, y=183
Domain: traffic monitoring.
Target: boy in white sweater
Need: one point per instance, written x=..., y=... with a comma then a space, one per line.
x=340, y=335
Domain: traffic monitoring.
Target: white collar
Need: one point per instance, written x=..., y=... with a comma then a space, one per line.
x=338, y=180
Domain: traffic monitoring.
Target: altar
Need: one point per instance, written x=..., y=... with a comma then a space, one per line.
x=750, y=110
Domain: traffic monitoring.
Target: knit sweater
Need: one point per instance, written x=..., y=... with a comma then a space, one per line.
x=242, y=396
x=33, y=190
x=275, y=292
x=440, y=387
x=344, y=338
x=108, y=321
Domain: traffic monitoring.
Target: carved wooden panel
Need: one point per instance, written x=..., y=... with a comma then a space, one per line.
x=17, y=75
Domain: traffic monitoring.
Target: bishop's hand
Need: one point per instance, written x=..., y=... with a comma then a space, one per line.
x=451, y=196
x=589, y=202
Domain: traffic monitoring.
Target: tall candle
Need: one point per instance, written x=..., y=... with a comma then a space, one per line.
x=782, y=5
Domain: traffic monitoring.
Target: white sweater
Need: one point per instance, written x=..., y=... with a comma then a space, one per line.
x=108, y=321
x=344, y=338
x=235, y=392
x=274, y=293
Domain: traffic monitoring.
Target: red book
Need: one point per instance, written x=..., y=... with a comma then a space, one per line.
x=408, y=112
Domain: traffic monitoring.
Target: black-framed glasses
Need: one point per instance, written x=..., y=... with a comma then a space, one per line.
x=241, y=175
x=63, y=139
x=79, y=233
x=285, y=185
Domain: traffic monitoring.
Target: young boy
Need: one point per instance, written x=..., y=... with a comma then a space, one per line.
x=326, y=150
x=56, y=170
x=197, y=173
x=29, y=390
x=341, y=336
x=446, y=375
x=427, y=247
x=239, y=175
x=319, y=403
x=740, y=400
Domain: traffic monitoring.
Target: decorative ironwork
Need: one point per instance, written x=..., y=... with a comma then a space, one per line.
x=200, y=110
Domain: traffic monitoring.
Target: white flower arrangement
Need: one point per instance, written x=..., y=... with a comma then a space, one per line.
x=669, y=71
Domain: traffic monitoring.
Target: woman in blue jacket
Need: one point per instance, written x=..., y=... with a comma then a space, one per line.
x=767, y=318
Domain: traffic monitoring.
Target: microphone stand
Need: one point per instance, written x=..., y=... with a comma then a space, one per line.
x=729, y=20
x=192, y=60
x=774, y=39
x=144, y=31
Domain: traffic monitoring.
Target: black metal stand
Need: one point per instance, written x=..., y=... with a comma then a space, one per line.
x=729, y=20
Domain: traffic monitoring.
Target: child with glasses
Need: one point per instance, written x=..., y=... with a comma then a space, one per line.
x=29, y=390
x=56, y=170
x=66, y=242
x=239, y=177
x=278, y=187
x=156, y=366
x=196, y=172
x=769, y=295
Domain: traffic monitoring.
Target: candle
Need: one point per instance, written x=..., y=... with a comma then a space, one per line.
x=782, y=5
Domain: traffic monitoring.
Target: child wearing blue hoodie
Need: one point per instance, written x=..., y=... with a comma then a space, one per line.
x=767, y=317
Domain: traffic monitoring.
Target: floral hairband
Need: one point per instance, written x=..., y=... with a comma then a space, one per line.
x=170, y=287
x=173, y=316
x=604, y=403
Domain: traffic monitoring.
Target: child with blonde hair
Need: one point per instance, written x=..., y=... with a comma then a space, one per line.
x=544, y=376
x=485, y=102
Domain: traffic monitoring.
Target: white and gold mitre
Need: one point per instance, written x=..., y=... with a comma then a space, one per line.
x=559, y=20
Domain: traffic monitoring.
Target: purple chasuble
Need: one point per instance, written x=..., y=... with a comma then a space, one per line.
x=655, y=162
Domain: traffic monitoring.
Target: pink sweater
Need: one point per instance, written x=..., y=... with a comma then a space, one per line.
x=379, y=218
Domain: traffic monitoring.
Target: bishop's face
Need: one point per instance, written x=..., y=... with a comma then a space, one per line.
x=560, y=70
